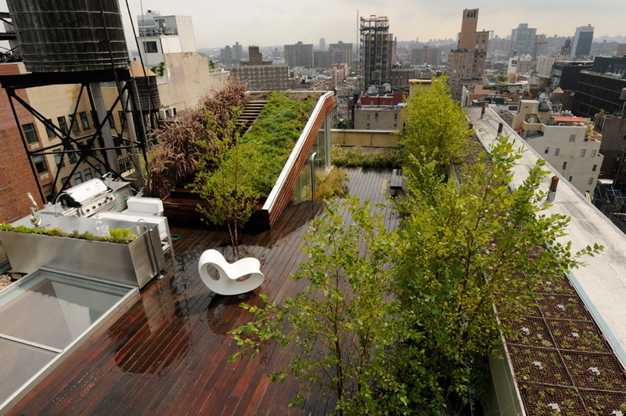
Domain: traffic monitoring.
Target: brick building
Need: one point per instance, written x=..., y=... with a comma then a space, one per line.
x=16, y=177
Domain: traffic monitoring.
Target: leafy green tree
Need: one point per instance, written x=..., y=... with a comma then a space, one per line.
x=435, y=126
x=344, y=323
x=464, y=248
x=228, y=192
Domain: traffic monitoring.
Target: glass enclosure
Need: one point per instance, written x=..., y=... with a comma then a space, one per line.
x=41, y=316
x=321, y=148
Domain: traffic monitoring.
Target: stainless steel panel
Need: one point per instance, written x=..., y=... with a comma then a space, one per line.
x=133, y=264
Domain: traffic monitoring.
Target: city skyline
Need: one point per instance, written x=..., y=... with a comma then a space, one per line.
x=425, y=20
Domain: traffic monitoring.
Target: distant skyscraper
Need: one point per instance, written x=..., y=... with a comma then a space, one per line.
x=299, y=55
x=377, y=50
x=254, y=56
x=581, y=46
x=523, y=40
x=340, y=53
x=466, y=63
x=237, y=53
x=322, y=45
x=226, y=56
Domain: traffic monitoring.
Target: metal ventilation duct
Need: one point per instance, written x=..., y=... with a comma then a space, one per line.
x=69, y=35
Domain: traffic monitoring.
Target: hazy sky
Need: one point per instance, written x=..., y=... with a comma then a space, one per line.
x=274, y=22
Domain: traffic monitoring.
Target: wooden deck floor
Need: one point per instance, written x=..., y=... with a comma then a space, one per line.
x=168, y=354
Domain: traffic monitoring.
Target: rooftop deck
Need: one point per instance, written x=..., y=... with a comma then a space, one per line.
x=168, y=354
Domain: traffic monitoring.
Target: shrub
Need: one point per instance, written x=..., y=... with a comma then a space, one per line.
x=182, y=141
x=116, y=235
x=356, y=158
x=333, y=185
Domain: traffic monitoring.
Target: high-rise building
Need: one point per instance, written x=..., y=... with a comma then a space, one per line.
x=377, y=51
x=322, y=44
x=260, y=75
x=541, y=45
x=523, y=40
x=426, y=56
x=226, y=55
x=299, y=55
x=321, y=59
x=255, y=57
x=237, y=53
x=340, y=53
x=159, y=35
x=469, y=26
x=621, y=50
x=581, y=46
x=466, y=63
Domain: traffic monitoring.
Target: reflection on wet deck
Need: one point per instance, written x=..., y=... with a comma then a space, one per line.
x=168, y=354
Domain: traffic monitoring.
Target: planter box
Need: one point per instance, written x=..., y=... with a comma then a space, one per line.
x=133, y=264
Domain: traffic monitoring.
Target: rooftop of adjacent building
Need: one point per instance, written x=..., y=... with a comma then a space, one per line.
x=601, y=281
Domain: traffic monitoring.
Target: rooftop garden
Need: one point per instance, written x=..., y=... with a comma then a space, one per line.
x=401, y=321
x=230, y=171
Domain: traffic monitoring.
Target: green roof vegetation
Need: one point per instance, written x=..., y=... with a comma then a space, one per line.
x=273, y=136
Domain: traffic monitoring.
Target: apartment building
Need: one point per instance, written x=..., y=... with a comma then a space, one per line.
x=160, y=35
x=299, y=55
x=567, y=142
x=340, y=53
x=16, y=178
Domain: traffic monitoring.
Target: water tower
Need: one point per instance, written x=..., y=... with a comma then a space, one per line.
x=77, y=42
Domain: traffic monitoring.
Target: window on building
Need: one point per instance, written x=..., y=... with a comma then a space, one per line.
x=557, y=151
x=40, y=164
x=58, y=160
x=547, y=150
x=94, y=119
x=564, y=165
x=30, y=133
x=594, y=168
x=572, y=138
x=150, y=46
x=49, y=130
x=84, y=120
x=571, y=178
x=77, y=178
x=73, y=157
x=590, y=181
x=74, y=124
x=583, y=152
x=122, y=117
x=62, y=123
x=87, y=175
x=594, y=153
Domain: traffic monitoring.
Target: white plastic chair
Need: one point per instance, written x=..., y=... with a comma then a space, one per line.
x=229, y=279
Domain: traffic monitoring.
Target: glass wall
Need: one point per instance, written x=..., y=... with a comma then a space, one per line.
x=321, y=148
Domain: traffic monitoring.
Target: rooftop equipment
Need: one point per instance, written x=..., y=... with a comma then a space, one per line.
x=69, y=35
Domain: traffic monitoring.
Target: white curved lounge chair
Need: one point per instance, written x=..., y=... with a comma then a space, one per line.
x=225, y=279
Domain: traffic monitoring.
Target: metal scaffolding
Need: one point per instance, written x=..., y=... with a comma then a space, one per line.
x=94, y=149
x=376, y=50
